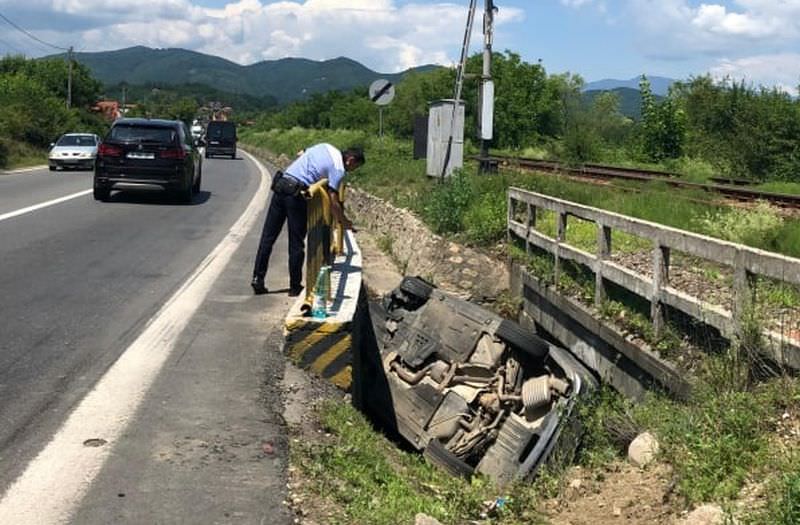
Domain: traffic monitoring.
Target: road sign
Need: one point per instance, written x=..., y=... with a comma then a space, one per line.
x=381, y=92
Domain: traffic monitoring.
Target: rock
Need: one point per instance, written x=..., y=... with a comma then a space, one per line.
x=424, y=519
x=576, y=484
x=643, y=449
x=617, y=511
x=705, y=515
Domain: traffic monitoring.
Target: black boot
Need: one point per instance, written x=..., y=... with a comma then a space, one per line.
x=258, y=285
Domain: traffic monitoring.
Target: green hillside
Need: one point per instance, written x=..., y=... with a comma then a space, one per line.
x=630, y=100
x=286, y=79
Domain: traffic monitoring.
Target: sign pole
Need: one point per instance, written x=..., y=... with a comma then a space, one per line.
x=381, y=92
x=380, y=119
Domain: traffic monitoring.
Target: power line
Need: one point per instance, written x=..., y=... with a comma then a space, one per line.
x=30, y=35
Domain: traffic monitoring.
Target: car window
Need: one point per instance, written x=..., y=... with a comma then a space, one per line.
x=77, y=140
x=143, y=134
x=227, y=131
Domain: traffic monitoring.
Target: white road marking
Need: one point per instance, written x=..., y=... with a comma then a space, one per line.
x=29, y=209
x=55, y=482
x=23, y=170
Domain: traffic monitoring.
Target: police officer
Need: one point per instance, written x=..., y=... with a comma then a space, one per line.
x=321, y=161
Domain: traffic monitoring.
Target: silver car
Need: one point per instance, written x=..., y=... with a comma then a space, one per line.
x=74, y=150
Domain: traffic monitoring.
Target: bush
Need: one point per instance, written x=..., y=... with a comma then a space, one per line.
x=759, y=226
x=445, y=206
x=485, y=221
x=3, y=153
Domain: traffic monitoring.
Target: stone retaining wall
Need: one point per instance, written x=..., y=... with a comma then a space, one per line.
x=454, y=267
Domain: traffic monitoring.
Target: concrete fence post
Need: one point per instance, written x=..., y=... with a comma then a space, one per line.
x=660, y=279
x=603, y=253
x=560, y=237
x=530, y=222
x=742, y=293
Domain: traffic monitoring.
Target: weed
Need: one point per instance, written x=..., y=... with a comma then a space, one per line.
x=373, y=482
x=386, y=244
x=760, y=225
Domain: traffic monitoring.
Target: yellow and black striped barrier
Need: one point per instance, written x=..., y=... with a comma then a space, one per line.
x=324, y=346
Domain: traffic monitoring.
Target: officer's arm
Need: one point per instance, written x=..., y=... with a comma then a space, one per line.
x=338, y=211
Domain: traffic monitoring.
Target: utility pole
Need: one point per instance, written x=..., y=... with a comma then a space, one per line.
x=487, y=87
x=69, y=77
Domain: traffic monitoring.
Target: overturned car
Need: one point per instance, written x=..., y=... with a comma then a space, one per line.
x=473, y=391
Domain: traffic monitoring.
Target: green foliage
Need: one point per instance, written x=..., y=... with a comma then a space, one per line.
x=33, y=109
x=372, y=481
x=663, y=125
x=759, y=226
x=786, y=510
x=444, y=206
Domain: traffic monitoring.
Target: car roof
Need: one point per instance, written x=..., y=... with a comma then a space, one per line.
x=146, y=122
x=79, y=135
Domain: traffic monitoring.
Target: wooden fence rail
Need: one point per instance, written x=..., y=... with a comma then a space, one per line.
x=747, y=263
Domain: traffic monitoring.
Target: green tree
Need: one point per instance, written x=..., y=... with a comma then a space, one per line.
x=663, y=125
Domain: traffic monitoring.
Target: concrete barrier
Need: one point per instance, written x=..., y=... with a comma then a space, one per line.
x=324, y=346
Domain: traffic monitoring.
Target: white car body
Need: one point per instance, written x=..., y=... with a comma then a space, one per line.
x=74, y=150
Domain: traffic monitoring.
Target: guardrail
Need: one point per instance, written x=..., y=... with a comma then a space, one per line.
x=746, y=262
x=325, y=234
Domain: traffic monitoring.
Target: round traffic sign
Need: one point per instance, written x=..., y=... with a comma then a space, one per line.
x=381, y=92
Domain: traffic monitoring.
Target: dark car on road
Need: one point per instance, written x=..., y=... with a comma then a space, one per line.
x=145, y=153
x=474, y=392
x=221, y=138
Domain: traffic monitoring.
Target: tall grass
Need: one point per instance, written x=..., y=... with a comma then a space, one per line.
x=473, y=207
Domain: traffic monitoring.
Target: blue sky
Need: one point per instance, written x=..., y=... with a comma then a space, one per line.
x=758, y=40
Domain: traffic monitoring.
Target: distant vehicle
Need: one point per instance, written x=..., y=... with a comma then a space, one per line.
x=73, y=150
x=140, y=153
x=221, y=138
x=474, y=392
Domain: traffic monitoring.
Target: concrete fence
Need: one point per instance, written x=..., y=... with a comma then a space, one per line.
x=747, y=263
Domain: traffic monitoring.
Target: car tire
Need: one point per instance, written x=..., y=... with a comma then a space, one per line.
x=233, y=156
x=208, y=156
x=516, y=336
x=101, y=194
x=52, y=168
x=437, y=454
x=185, y=195
x=417, y=287
x=198, y=182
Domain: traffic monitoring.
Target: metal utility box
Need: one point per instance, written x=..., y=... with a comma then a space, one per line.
x=440, y=120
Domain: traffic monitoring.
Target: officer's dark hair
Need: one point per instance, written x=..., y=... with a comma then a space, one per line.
x=356, y=153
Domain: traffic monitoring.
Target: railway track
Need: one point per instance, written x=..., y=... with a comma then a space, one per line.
x=733, y=188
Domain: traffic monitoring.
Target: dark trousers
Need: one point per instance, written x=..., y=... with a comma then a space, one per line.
x=294, y=210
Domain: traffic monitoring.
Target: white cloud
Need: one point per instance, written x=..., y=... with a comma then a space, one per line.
x=780, y=70
x=386, y=35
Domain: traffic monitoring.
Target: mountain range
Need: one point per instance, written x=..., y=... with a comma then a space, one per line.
x=286, y=79
x=659, y=85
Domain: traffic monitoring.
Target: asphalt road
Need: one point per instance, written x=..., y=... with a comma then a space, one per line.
x=79, y=283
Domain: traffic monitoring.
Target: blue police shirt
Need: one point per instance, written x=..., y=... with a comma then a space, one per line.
x=322, y=161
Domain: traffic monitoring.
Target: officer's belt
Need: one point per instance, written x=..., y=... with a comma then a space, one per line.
x=287, y=185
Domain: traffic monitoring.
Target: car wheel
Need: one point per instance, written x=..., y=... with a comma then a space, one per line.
x=52, y=168
x=516, y=336
x=208, y=156
x=417, y=287
x=101, y=193
x=233, y=156
x=198, y=182
x=185, y=195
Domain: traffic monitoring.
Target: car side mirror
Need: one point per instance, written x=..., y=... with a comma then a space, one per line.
x=52, y=144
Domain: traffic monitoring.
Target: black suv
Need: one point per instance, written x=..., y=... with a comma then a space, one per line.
x=221, y=138
x=140, y=153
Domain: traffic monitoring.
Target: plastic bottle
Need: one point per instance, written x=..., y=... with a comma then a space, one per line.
x=319, y=305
